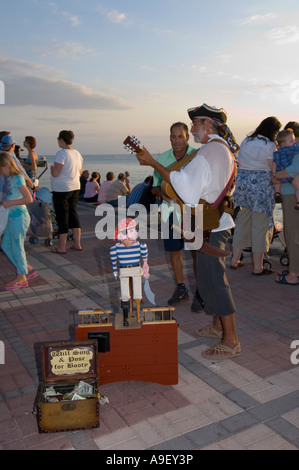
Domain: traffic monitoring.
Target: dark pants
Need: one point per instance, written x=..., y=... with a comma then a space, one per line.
x=65, y=205
x=212, y=282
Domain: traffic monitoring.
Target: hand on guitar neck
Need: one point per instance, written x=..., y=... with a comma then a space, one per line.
x=145, y=158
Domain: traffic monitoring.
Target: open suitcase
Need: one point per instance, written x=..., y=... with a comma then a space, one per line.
x=69, y=396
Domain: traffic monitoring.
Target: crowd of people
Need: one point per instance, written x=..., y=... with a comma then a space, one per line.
x=268, y=173
x=113, y=189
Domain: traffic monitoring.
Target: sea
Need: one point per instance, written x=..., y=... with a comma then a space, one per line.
x=103, y=164
x=118, y=163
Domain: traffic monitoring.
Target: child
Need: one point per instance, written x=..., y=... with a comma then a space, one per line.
x=282, y=158
x=17, y=197
x=92, y=188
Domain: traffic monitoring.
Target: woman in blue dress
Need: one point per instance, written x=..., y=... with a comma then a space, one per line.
x=254, y=194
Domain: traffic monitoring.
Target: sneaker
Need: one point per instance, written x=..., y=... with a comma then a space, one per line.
x=179, y=296
x=197, y=304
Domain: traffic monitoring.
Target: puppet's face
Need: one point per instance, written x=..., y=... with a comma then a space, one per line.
x=128, y=236
x=132, y=234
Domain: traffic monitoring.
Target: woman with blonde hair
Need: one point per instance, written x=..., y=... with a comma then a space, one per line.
x=16, y=198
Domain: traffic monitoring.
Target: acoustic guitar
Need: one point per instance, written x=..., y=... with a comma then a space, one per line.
x=211, y=212
x=211, y=216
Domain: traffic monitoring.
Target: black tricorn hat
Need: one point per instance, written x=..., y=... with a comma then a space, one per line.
x=206, y=111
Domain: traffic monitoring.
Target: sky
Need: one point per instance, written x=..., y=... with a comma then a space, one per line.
x=111, y=68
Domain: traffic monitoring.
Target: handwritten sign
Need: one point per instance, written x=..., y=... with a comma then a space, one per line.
x=71, y=361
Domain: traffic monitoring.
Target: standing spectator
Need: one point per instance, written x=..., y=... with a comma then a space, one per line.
x=30, y=164
x=180, y=148
x=16, y=199
x=290, y=223
x=65, y=185
x=92, y=188
x=255, y=195
x=102, y=196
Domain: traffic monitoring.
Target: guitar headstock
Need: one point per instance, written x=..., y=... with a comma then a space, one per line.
x=132, y=145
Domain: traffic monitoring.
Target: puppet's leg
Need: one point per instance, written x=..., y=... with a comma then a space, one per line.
x=125, y=298
x=137, y=290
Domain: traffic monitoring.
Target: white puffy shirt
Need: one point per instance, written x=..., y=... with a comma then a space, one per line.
x=205, y=177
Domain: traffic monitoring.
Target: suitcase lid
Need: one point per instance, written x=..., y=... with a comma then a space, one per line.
x=69, y=360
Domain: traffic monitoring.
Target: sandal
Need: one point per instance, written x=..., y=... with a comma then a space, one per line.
x=282, y=280
x=16, y=285
x=32, y=275
x=239, y=264
x=219, y=352
x=209, y=332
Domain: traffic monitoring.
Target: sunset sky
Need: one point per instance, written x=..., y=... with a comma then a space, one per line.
x=112, y=68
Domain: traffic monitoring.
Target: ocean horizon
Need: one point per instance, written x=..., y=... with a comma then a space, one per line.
x=117, y=163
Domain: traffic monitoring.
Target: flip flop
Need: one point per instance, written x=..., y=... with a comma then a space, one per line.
x=219, y=352
x=282, y=280
x=285, y=272
x=76, y=249
x=55, y=250
x=16, y=285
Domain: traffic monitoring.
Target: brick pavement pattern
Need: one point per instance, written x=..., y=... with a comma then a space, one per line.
x=249, y=403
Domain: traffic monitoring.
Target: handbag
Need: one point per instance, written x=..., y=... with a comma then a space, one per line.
x=4, y=213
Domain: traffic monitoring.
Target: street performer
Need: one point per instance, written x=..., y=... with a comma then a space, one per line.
x=205, y=177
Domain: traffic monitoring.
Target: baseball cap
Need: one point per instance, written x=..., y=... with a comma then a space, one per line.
x=205, y=111
x=7, y=140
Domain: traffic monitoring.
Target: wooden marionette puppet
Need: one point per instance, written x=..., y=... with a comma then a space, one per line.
x=128, y=252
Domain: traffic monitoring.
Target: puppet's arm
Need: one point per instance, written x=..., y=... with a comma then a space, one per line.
x=113, y=256
x=144, y=255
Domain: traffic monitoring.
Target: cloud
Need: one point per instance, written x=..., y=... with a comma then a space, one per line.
x=29, y=84
x=284, y=35
x=73, y=19
x=116, y=17
x=68, y=49
x=258, y=19
x=113, y=15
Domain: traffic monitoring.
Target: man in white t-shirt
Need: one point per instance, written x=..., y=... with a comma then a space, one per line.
x=205, y=177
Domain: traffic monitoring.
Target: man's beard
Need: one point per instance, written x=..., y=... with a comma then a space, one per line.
x=197, y=137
